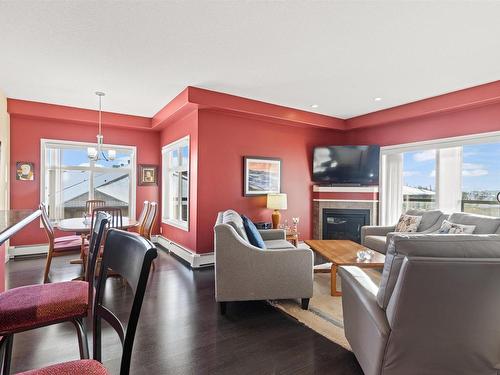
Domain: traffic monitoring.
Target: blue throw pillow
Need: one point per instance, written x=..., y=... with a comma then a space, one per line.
x=252, y=232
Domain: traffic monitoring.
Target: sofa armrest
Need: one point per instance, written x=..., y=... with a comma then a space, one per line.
x=272, y=234
x=373, y=230
x=365, y=323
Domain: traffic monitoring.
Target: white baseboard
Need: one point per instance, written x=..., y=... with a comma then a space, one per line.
x=194, y=259
x=26, y=250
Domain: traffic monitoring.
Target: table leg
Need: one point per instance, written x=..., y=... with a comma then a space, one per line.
x=334, y=291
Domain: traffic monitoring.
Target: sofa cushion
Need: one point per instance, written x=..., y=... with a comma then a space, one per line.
x=278, y=245
x=408, y=223
x=484, y=224
x=447, y=227
x=252, y=232
x=234, y=219
x=376, y=243
x=429, y=218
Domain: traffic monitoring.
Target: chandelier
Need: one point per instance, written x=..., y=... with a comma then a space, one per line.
x=95, y=153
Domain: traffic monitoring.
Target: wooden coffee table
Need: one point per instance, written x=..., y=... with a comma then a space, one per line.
x=343, y=253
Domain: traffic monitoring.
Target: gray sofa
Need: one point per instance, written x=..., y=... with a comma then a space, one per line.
x=436, y=308
x=375, y=237
x=244, y=272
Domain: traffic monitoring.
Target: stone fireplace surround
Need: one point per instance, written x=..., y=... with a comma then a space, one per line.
x=343, y=197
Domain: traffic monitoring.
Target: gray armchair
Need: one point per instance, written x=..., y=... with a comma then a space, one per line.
x=435, y=311
x=375, y=237
x=244, y=272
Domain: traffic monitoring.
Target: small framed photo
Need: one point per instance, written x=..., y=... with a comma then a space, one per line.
x=261, y=175
x=25, y=171
x=148, y=175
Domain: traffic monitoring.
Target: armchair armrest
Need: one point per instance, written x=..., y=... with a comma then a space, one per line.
x=365, y=323
x=272, y=234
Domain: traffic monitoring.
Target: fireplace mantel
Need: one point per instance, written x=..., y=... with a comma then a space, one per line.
x=345, y=198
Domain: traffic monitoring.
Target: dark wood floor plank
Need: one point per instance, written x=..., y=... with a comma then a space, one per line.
x=181, y=331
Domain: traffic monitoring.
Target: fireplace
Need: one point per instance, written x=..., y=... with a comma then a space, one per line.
x=344, y=224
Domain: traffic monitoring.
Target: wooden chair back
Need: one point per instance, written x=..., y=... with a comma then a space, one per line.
x=49, y=229
x=142, y=217
x=130, y=256
x=91, y=204
x=150, y=220
x=115, y=219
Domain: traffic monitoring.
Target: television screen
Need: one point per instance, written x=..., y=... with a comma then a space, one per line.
x=357, y=165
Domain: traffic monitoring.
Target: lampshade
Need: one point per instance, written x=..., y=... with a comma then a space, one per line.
x=276, y=201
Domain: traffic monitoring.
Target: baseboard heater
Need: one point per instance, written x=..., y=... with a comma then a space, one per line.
x=195, y=260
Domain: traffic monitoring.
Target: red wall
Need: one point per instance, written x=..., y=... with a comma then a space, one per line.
x=25, y=146
x=464, y=122
x=188, y=125
x=2, y=267
x=224, y=140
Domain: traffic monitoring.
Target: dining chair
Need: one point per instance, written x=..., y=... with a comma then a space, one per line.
x=58, y=246
x=115, y=220
x=130, y=256
x=142, y=217
x=34, y=306
x=93, y=203
x=149, y=221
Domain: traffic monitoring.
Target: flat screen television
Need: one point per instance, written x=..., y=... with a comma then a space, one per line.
x=352, y=165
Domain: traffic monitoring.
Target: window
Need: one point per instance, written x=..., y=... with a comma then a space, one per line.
x=69, y=178
x=454, y=174
x=481, y=179
x=175, y=197
x=419, y=180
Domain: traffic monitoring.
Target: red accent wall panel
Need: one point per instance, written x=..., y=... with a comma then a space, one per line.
x=224, y=140
x=2, y=267
x=464, y=122
x=25, y=146
x=188, y=125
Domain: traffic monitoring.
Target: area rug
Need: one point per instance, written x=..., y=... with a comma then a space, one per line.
x=325, y=312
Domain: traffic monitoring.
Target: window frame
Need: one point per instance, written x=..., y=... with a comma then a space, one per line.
x=177, y=144
x=64, y=144
x=434, y=144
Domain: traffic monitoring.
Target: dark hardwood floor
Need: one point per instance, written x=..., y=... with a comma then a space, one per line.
x=181, y=331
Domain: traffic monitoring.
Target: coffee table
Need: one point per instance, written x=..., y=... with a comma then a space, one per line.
x=343, y=253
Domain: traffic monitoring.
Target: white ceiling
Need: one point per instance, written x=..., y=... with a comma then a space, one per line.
x=338, y=54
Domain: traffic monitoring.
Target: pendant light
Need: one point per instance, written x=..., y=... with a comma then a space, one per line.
x=94, y=153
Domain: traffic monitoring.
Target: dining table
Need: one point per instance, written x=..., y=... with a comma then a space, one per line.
x=80, y=226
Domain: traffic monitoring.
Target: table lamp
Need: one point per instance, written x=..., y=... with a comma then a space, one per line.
x=276, y=202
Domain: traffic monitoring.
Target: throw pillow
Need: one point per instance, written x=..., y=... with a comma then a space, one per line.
x=253, y=233
x=408, y=223
x=451, y=228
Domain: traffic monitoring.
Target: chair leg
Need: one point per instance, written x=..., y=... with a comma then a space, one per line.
x=305, y=303
x=47, y=267
x=7, y=343
x=81, y=332
x=222, y=308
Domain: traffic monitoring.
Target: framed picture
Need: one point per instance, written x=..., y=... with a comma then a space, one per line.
x=148, y=175
x=261, y=175
x=25, y=171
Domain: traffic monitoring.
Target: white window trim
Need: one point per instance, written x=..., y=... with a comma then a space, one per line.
x=133, y=165
x=437, y=144
x=172, y=222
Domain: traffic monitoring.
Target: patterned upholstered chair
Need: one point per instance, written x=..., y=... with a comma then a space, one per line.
x=34, y=306
x=130, y=256
x=58, y=246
